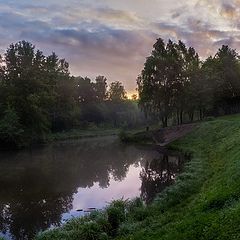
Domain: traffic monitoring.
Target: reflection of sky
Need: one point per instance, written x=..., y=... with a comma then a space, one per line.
x=97, y=197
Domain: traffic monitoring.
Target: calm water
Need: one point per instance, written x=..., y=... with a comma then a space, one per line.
x=44, y=187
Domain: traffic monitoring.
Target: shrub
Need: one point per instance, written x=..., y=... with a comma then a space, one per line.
x=11, y=132
x=90, y=231
x=123, y=136
x=116, y=214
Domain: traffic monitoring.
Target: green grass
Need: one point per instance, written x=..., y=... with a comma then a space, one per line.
x=81, y=133
x=204, y=203
x=92, y=132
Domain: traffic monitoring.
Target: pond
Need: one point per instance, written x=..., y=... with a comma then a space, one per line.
x=41, y=188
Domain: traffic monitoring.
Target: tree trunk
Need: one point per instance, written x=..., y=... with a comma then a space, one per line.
x=181, y=117
x=190, y=116
x=164, y=121
x=178, y=119
x=201, y=114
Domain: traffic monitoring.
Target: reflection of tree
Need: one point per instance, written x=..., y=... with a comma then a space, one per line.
x=37, y=187
x=158, y=174
x=28, y=207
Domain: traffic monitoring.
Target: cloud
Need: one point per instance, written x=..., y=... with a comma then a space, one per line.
x=94, y=49
x=229, y=11
x=113, y=38
x=203, y=36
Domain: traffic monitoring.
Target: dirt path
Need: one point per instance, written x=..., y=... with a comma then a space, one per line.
x=167, y=135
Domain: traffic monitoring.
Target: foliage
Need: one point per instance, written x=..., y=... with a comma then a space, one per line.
x=117, y=91
x=139, y=137
x=175, y=84
x=31, y=84
x=11, y=132
x=165, y=79
x=46, y=99
x=101, y=88
x=116, y=215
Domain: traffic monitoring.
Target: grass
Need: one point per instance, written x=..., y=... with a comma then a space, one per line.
x=81, y=133
x=92, y=132
x=204, y=203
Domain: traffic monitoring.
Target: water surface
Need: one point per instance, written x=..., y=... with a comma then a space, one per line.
x=42, y=188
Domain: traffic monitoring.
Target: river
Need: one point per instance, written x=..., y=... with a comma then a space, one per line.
x=43, y=187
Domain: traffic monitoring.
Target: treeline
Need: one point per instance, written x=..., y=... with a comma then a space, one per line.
x=38, y=96
x=176, y=85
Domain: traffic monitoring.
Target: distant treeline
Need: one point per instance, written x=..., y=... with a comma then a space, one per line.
x=38, y=96
x=176, y=85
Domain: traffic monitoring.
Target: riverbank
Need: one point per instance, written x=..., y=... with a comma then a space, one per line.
x=158, y=136
x=75, y=134
x=204, y=203
x=82, y=133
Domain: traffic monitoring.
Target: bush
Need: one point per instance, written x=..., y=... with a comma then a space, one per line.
x=11, y=132
x=90, y=231
x=210, y=118
x=123, y=136
x=116, y=214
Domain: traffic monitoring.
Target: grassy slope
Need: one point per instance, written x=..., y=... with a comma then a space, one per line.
x=205, y=201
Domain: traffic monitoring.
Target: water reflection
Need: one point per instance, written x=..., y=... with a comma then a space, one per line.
x=40, y=188
x=160, y=173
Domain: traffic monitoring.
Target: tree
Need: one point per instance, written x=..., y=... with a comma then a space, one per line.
x=134, y=97
x=167, y=77
x=227, y=86
x=85, y=90
x=222, y=81
x=38, y=96
x=11, y=131
x=100, y=88
x=156, y=81
x=33, y=85
x=27, y=91
x=188, y=84
x=117, y=92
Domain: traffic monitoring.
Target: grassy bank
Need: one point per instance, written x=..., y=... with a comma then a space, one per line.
x=93, y=132
x=82, y=133
x=204, y=203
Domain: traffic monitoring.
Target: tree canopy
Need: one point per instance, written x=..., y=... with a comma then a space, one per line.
x=175, y=83
x=39, y=96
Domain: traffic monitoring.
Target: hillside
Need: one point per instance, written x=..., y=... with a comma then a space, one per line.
x=205, y=201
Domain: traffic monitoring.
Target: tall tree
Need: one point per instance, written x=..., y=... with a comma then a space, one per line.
x=85, y=90
x=33, y=88
x=222, y=73
x=100, y=88
x=188, y=82
x=156, y=80
x=117, y=92
x=28, y=94
x=164, y=81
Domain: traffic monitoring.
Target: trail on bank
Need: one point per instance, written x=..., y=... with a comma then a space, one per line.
x=164, y=136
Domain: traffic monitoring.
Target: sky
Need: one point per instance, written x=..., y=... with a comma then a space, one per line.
x=114, y=37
